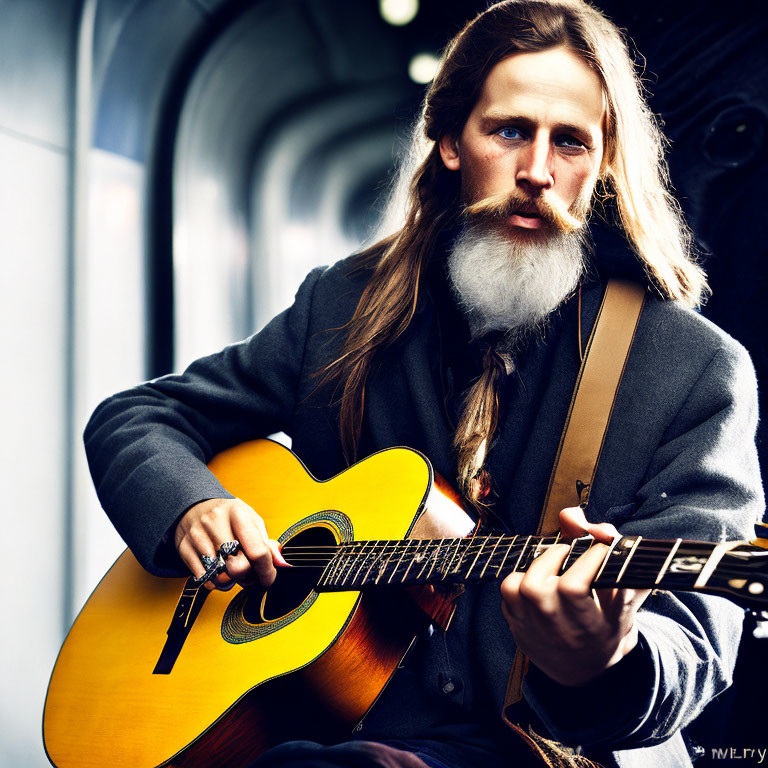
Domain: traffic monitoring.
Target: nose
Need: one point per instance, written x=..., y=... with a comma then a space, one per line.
x=534, y=173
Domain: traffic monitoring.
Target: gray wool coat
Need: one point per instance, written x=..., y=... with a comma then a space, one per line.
x=679, y=461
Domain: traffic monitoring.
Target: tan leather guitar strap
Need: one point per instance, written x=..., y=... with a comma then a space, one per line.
x=587, y=421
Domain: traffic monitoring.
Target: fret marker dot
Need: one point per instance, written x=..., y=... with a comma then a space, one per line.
x=755, y=588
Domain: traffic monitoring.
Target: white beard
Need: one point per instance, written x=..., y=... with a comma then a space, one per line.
x=509, y=285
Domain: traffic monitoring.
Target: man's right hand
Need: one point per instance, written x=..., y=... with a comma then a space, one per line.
x=205, y=526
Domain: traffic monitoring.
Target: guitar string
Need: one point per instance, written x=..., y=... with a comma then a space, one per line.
x=470, y=549
x=734, y=568
x=640, y=557
x=645, y=576
x=392, y=547
x=653, y=549
x=648, y=557
x=640, y=566
x=660, y=546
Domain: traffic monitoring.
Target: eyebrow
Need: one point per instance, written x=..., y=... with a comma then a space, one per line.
x=496, y=118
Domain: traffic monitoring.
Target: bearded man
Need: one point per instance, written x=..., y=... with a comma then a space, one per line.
x=536, y=174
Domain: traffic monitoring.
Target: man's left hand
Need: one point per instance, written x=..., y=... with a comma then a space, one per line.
x=567, y=629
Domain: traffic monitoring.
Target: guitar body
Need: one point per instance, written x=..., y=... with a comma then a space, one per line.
x=255, y=669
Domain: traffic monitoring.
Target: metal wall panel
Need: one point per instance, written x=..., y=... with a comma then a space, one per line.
x=111, y=338
x=32, y=411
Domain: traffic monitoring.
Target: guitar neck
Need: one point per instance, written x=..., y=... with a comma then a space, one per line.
x=734, y=569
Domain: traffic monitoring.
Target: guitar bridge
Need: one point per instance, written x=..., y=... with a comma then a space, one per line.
x=187, y=610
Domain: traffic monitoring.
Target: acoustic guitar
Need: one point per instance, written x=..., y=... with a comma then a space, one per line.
x=156, y=672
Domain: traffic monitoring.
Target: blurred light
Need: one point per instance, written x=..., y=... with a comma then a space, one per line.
x=398, y=12
x=423, y=68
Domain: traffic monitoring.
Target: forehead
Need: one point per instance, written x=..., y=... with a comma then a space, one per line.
x=546, y=86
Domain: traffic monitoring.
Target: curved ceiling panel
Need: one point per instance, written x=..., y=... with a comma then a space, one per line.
x=137, y=51
x=267, y=86
x=300, y=189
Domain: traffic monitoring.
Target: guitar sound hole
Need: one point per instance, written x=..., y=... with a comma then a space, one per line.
x=292, y=585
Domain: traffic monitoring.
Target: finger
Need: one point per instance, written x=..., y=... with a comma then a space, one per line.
x=510, y=591
x=223, y=580
x=539, y=584
x=191, y=559
x=191, y=553
x=206, y=543
x=239, y=568
x=575, y=585
x=549, y=562
x=218, y=531
x=277, y=555
x=574, y=524
x=249, y=530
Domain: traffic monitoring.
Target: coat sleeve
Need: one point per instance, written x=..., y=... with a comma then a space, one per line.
x=147, y=447
x=702, y=483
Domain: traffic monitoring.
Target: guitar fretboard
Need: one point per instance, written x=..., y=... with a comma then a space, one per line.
x=629, y=562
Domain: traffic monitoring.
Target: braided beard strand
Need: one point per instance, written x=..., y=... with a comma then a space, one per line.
x=512, y=286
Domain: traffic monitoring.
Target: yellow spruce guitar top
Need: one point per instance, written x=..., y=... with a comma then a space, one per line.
x=157, y=673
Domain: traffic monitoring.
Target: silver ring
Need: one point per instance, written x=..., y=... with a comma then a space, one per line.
x=229, y=548
x=207, y=561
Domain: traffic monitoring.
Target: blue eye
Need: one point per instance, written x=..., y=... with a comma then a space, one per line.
x=570, y=141
x=510, y=133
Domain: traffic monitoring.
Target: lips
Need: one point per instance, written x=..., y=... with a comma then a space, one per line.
x=526, y=217
x=528, y=211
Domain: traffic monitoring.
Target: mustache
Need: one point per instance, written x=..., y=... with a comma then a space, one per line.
x=504, y=204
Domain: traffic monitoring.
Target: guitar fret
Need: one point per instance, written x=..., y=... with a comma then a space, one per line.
x=522, y=551
x=714, y=559
x=413, y=559
x=399, y=562
x=490, y=557
x=384, y=566
x=336, y=564
x=506, y=555
x=564, y=566
x=329, y=574
x=438, y=552
x=347, y=566
x=628, y=558
x=537, y=550
x=466, y=551
x=485, y=541
x=668, y=561
x=447, y=571
x=427, y=555
x=607, y=557
x=374, y=560
x=363, y=557
x=687, y=565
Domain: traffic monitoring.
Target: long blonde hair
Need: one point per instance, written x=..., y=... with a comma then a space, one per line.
x=425, y=200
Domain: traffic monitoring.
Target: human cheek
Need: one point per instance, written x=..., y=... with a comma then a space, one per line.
x=495, y=171
x=571, y=180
